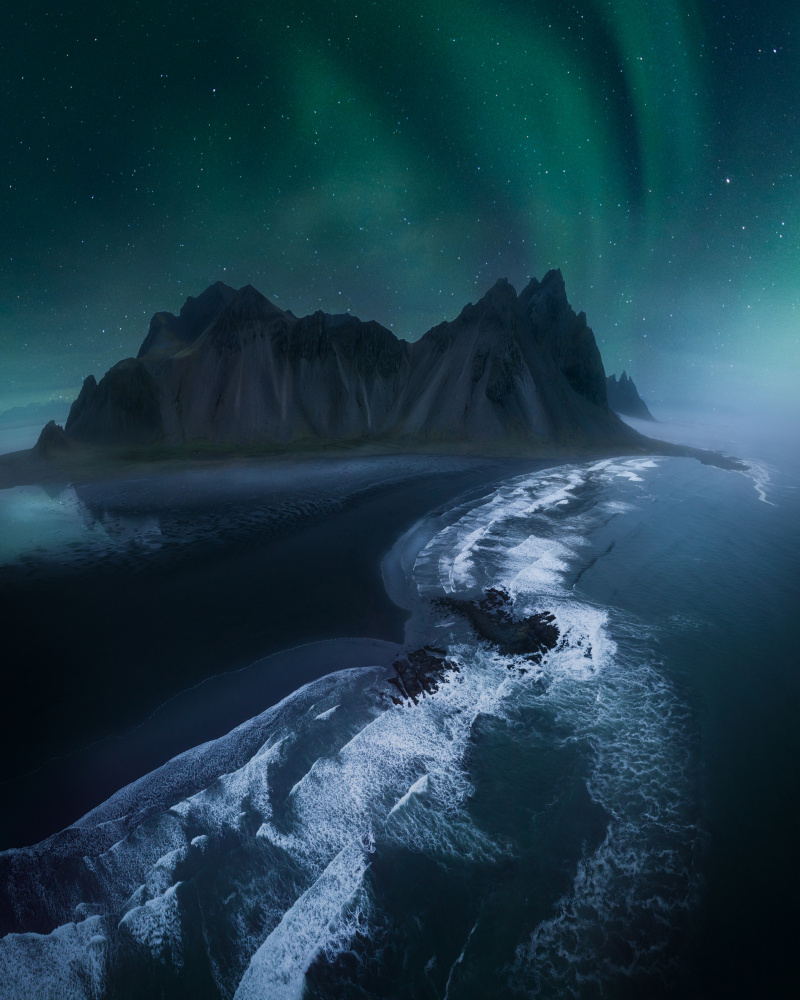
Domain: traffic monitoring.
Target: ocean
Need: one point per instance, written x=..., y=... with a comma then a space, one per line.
x=616, y=816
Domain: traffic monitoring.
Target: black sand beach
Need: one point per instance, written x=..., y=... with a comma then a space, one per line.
x=241, y=570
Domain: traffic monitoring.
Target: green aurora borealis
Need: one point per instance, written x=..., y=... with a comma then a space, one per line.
x=394, y=160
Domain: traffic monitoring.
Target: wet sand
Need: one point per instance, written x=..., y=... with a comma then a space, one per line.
x=102, y=641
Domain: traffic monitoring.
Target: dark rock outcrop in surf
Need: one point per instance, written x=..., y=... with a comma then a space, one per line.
x=419, y=673
x=234, y=369
x=492, y=619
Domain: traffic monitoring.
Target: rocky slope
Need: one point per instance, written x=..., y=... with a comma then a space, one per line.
x=233, y=368
x=623, y=397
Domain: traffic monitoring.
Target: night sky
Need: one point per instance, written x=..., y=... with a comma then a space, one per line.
x=395, y=159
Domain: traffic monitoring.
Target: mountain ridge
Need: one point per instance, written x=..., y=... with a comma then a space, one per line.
x=233, y=368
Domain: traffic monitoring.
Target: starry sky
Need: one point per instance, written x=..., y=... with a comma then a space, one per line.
x=395, y=159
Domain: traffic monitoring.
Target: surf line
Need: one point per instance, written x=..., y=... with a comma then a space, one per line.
x=459, y=960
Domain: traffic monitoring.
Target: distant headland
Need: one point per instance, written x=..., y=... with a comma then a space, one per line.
x=623, y=397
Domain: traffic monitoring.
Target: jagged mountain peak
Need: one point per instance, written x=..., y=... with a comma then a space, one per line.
x=169, y=333
x=214, y=298
x=328, y=321
x=494, y=308
x=501, y=293
x=88, y=390
x=53, y=440
x=249, y=304
x=369, y=345
x=623, y=397
x=501, y=299
x=547, y=297
x=553, y=279
x=247, y=311
x=339, y=319
x=508, y=369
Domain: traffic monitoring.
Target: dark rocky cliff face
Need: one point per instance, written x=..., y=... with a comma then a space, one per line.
x=124, y=408
x=53, y=440
x=509, y=367
x=565, y=336
x=234, y=368
x=258, y=373
x=623, y=397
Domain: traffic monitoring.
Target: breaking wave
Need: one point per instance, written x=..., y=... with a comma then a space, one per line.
x=346, y=845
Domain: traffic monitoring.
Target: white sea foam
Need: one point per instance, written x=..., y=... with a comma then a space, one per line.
x=759, y=474
x=539, y=565
x=156, y=925
x=278, y=968
x=292, y=809
x=346, y=797
x=634, y=722
x=639, y=883
x=327, y=713
x=469, y=554
x=419, y=787
x=67, y=964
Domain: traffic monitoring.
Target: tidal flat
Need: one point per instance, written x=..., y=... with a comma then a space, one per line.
x=121, y=593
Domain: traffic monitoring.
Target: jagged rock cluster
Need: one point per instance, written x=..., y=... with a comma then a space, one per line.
x=623, y=397
x=492, y=619
x=419, y=673
x=233, y=368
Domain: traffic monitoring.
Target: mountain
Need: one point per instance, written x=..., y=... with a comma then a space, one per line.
x=623, y=398
x=168, y=333
x=233, y=368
